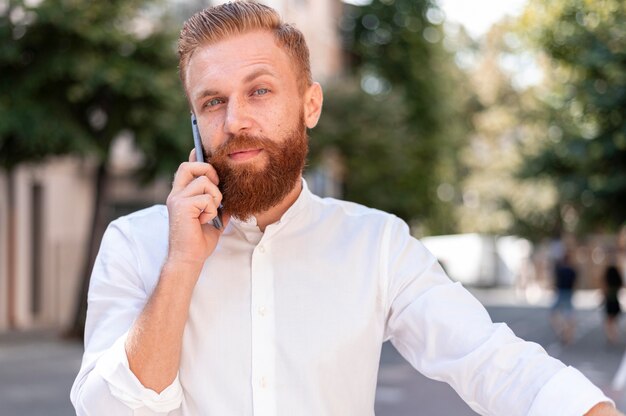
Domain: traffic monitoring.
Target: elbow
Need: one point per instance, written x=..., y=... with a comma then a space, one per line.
x=92, y=397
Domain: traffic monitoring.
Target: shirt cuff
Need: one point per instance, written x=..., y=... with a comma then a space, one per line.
x=125, y=386
x=567, y=393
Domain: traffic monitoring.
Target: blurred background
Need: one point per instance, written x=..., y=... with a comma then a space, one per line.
x=496, y=129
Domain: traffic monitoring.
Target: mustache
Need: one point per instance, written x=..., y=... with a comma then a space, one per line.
x=237, y=143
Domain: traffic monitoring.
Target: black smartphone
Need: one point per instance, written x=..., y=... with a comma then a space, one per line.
x=197, y=141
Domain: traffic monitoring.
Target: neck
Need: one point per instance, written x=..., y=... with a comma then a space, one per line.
x=275, y=213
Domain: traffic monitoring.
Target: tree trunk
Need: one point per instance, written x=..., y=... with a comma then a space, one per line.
x=98, y=226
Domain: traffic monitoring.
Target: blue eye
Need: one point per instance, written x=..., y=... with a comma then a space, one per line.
x=213, y=102
x=261, y=91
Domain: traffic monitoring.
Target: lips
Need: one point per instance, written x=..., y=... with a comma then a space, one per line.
x=243, y=155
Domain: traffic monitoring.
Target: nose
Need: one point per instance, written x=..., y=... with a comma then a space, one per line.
x=238, y=118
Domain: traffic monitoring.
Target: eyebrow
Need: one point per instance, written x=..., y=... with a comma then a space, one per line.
x=206, y=93
x=250, y=77
x=259, y=72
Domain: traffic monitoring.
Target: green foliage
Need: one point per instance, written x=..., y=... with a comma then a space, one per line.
x=75, y=74
x=389, y=42
x=584, y=142
x=398, y=133
x=372, y=137
x=494, y=200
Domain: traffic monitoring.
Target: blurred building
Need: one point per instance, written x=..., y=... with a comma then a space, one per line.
x=46, y=209
x=43, y=228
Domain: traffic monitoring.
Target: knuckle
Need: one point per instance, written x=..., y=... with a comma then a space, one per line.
x=203, y=180
x=207, y=200
x=211, y=212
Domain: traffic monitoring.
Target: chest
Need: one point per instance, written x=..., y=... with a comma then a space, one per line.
x=313, y=300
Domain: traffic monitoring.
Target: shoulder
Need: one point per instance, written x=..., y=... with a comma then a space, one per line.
x=151, y=215
x=351, y=212
x=148, y=223
x=357, y=221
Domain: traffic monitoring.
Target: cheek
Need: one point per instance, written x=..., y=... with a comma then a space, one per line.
x=212, y=135
x=285, y=119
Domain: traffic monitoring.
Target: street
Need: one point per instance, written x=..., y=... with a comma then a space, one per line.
x=36, y=371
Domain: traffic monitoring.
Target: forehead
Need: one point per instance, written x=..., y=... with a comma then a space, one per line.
x=232, y=59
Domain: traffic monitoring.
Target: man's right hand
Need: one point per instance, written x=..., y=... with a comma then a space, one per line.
x=192, y=204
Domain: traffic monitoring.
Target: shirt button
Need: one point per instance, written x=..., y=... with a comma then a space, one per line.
x=263, y=382
x=262, y=310
x=262, y=249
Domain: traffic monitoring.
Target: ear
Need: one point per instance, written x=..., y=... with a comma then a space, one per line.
x=313, y=99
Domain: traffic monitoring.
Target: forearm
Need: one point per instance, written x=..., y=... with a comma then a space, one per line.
x=154, y=342
x=604, y=409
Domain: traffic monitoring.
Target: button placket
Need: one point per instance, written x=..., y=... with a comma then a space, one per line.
x=263, y=341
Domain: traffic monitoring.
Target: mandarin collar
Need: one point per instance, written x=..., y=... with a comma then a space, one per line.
x=250, y=226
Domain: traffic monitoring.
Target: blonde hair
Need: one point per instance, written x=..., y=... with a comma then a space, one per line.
x=217, y=23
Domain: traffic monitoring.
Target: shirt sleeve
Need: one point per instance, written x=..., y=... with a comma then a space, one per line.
x=447, y=335
x=105, y=384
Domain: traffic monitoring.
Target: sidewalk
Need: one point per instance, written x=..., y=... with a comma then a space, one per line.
x=36, y=373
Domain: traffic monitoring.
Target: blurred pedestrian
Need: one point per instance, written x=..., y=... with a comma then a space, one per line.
x=612, y=284
x=562, y=312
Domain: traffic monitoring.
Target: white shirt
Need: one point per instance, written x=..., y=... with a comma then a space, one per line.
x=290, y=322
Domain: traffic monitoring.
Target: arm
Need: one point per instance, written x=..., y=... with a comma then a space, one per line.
x=154, y=342
x=447, y=335
x=123, y=277
x=137, y=313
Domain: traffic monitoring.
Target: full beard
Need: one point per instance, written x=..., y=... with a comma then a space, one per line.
x=249, y=189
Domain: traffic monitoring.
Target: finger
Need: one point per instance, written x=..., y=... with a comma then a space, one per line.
x=188, y=171
x=212, y=191
x=192, y=156
x=184, y=208
x=203, y=207
x=206, y=217
x=202, y=185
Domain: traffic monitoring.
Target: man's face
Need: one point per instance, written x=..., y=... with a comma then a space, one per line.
x=252, y=118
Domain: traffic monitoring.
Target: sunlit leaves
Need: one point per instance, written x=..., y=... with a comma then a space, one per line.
x=400, y=131
x=585, y=42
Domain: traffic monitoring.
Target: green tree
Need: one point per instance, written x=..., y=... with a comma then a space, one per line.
x=400, y=132
x=76, y=74
x=584, y=101
x=503, y=115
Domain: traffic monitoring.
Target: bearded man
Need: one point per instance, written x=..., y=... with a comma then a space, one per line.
x=283, y=310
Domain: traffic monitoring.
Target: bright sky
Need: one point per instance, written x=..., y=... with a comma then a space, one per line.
x=476, y=15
